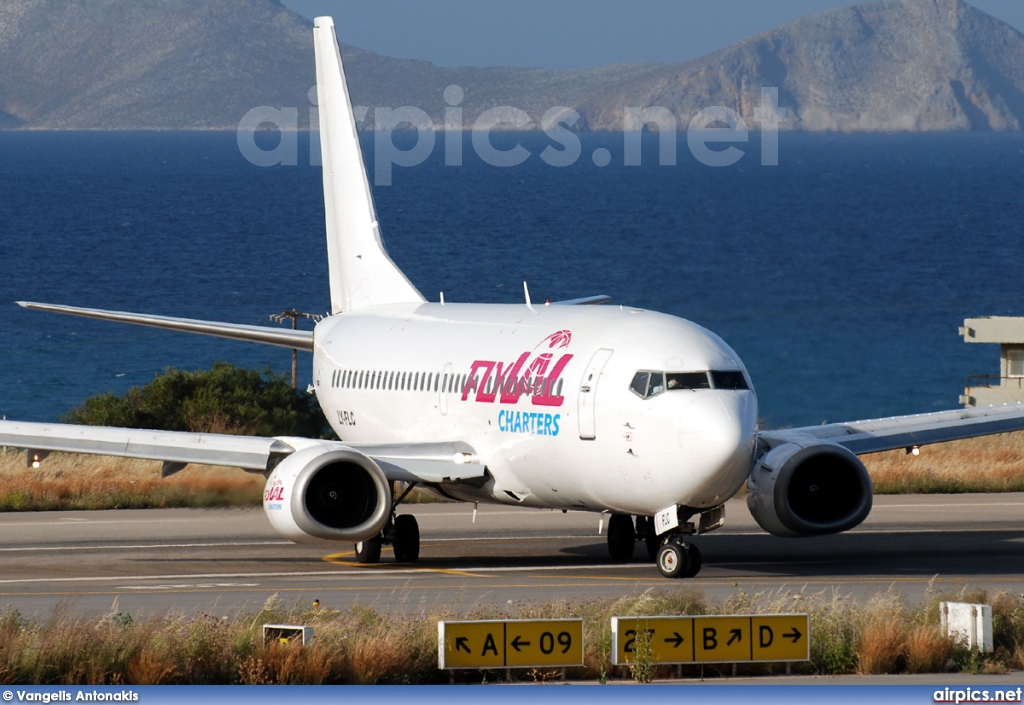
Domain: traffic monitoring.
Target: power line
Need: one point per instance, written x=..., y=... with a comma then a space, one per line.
x=294, y=315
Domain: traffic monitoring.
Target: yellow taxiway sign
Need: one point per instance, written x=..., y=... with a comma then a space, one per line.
x=711, y=639
x=513, y=643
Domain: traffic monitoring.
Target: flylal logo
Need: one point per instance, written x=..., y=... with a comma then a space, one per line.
x=535, y=374
x=273, y=495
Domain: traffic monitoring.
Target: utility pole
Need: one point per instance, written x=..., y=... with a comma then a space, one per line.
x=294, y=315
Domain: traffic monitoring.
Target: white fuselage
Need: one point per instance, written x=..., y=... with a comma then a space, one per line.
x=543, y=395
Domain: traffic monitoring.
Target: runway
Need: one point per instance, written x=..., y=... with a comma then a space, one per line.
x=223, y=562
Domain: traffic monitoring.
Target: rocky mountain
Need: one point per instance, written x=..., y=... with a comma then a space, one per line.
x=895, y=65
x=202, y=64
x=107, y=64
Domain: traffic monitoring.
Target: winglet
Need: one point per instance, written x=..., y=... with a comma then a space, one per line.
x=361, y=272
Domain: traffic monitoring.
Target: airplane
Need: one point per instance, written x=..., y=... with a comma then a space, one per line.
x=646, y=417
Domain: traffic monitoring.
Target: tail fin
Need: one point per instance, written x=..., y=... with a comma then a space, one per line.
x=361, y=272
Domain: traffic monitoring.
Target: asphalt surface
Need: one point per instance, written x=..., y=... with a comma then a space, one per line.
x=229, y=561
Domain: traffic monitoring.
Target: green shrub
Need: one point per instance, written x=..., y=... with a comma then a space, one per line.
x=224, y=399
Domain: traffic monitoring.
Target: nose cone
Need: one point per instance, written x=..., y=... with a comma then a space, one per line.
x=717, y=435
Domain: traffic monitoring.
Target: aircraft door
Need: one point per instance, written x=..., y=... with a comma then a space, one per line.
x=588, y=394
x=442, y=401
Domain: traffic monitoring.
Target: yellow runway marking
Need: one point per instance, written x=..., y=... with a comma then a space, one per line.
x=326, y=589
x=588, y=581
x=451, y=571
x=339, y=559
x=335, y=557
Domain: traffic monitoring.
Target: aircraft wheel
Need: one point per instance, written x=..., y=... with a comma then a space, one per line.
x=368, y=551
x=673, y=559
x=695, y=561
x=652, y=540
x=407, y=539
x=621, y=537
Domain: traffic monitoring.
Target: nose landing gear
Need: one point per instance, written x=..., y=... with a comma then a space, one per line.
x=678, y=559
x=673, y=555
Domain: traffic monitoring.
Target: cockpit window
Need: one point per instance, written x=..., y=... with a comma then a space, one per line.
x=729, y=379
x=648, y=383
x=688, y=380
x=639, y=384
x=657, y=384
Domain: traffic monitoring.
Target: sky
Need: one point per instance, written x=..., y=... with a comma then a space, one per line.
x=568, y=34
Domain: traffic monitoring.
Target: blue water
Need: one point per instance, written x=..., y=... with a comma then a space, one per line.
x=840, y=276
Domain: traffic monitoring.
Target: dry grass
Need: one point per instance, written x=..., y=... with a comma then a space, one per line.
x=986, y=464
x=882, y=637
x=68, y=481
x=926, y=650
x=361, y=645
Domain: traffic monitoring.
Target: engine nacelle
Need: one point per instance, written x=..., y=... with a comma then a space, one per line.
x=337, y=495
x=798, y=490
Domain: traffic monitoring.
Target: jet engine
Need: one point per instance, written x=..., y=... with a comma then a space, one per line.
x=337, y=495
x=808, y=490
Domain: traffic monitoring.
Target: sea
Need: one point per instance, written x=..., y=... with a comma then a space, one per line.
x=840, y=275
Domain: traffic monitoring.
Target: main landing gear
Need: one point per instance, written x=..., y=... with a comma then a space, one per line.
x=674, y=557
x=402, y=533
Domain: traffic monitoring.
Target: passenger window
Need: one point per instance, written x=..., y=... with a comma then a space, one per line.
x=729, y=379
x=639, y=384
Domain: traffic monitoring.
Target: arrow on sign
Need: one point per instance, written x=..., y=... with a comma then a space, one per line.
x=676, y=640
x=737, y=635
x=460, y=643
x=517, y=642
x=793, y=635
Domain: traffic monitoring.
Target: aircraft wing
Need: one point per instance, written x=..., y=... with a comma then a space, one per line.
x=584, y=301
x=906, y=431
x=427, y=462
x=282, y=337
